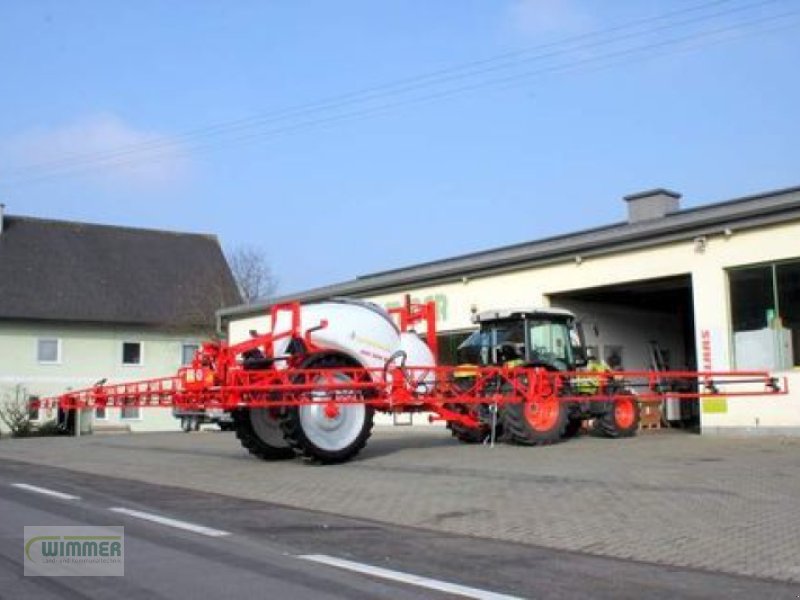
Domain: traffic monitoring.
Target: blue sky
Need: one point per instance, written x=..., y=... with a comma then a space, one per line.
x=168, y=115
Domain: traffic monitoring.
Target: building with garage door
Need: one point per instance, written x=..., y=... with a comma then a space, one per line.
x=80, y=303
x=709, y=288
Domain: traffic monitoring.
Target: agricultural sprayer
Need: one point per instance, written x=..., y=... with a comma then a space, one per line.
x=311, y=385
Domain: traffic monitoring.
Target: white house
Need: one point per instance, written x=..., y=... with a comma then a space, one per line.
x=82, y=302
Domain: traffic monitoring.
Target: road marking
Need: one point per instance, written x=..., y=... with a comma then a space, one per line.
x=408, y=578
x=45, y=491
x=201, y=529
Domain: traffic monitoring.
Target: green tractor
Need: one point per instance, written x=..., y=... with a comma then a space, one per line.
x=551, y=339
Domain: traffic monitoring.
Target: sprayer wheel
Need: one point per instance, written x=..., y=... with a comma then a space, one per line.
x=323, y=431
x=257, y=429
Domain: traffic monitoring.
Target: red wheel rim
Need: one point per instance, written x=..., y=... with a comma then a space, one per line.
x=542, y=415
x=624, y=413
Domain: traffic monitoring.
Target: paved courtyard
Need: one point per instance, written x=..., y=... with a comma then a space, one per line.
x=726, y=505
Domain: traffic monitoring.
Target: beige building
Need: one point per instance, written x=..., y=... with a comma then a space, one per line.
x=710, y=288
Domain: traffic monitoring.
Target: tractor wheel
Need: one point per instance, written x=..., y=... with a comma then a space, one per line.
x=326, y=432
x=536, y=423
x=259, y=432
x=468, y=435
x=464, y=434
x=621, y=419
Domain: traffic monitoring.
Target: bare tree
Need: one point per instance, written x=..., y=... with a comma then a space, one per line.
x=252, y=273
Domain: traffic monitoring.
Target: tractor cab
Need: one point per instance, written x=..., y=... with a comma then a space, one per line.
x=541, y=337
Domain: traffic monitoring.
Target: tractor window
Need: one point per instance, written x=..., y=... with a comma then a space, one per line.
x=551, y=343
x=502, y=342
x=509, y=342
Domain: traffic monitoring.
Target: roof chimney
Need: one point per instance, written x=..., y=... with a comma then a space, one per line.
x=2, y=214
x=652, y=204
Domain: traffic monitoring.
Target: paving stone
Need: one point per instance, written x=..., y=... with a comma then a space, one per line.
x=721, y=504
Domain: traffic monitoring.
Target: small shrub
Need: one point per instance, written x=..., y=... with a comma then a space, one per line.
x=49, y=428
x=15, y=412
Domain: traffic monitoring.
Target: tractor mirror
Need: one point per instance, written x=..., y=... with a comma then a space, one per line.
x=579, y=352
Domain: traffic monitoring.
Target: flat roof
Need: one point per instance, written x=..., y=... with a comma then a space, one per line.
x=747, y=212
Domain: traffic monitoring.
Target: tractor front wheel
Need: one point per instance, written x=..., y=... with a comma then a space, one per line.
x=621, y=419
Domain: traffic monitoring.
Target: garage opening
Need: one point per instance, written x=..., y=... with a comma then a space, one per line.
x=641, y=325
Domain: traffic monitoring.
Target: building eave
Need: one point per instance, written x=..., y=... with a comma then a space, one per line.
x=748, y=212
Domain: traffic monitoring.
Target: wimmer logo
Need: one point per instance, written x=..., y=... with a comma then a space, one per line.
x=71, y=551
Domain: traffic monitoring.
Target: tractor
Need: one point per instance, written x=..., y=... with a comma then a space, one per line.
x=549, y=339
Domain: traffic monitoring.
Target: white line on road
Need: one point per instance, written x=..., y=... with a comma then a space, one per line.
x=202, y=529
x=408, y=578
x=45, y=491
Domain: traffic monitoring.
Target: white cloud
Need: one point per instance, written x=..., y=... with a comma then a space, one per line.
x=541, y=17
x=102, y=145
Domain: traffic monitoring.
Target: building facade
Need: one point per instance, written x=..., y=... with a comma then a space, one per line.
x=80, y=303
x=710, y=288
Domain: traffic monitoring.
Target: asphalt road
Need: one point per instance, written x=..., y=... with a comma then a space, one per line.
x=262, y=553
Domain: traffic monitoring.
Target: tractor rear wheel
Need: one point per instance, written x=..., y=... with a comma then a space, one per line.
x=463, y=433
x=325, y=431
x=621, y=419
x=535, y=423
x=257, y=429
x=468, y=435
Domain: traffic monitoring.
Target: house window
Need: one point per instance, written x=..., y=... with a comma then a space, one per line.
x=100, y=413
x=130, y=412
x=765, y=315
x=187, y=353
x=48, y=350
x=131, y=353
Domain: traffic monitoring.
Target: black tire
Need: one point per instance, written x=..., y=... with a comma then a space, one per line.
x=309, y=443
x=464, y=434
x=186, y=424
x=523, y=425
x=468, y=435
x=540, y=422
x=621, y=419
x=245, y=423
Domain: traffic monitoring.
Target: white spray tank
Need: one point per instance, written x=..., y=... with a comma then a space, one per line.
x=416, y=353
x=365, y=332
x=362, y=330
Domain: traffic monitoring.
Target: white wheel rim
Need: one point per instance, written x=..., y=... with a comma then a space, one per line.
x=266, y=428
x=332, y=432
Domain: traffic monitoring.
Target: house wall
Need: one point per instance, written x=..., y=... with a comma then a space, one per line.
x=88, y=354
x=458, y=299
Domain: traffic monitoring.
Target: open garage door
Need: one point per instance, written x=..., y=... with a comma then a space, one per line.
x=639, y=326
